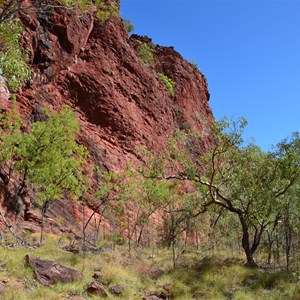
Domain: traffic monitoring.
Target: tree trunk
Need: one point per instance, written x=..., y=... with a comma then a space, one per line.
x=288, y=239
x=173, y=254
x=249, y=251
x=173, y=237
x=129, y=235
x=44, y=208
x=140, y=235
x=270, y=247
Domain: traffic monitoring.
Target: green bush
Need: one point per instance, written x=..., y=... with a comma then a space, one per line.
x=83, y=4
x=145, y=53
x=128, y=25
x=168, y=83
x=12, y=57
x=104, y=10
x=193, y=64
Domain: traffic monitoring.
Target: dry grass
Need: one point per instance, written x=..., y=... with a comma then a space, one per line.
x=196, y=277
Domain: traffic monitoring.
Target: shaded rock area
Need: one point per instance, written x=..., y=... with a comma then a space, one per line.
x=48, y=272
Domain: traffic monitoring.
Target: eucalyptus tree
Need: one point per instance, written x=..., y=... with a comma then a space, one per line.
x=240, y=178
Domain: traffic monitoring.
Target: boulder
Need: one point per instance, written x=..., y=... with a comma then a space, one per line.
x=96, y=289
x=116, y=289
x=48, y=272
x=151, y=297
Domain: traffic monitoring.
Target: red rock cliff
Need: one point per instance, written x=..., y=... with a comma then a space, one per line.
x=122, y=104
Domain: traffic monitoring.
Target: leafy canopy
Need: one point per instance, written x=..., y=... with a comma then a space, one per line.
x=47, y=156
x=145, y=53
x=233, y=175
x=12, y=57
x=104, y=10
x=169, y=84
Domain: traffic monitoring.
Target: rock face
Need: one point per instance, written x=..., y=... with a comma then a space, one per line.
x=48, y=272
x=122, y=103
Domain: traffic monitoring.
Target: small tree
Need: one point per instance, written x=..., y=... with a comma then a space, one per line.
x=148, y=196
x=145, y=53
x=13, y=65
x=169, y=84
x=47, y=158
x=128, y=25
x=108, y=190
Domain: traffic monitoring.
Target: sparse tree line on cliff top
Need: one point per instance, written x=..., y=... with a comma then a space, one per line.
x=177, y=199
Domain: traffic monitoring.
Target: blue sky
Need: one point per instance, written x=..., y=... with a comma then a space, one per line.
x=249, y=52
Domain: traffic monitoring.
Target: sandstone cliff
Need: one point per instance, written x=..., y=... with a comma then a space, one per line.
x=122, y=103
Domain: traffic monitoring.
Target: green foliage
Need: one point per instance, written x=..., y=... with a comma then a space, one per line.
x=110, y=183
x=104, y=10
x=170, y=85
x=145, y=53
x=47, y=156
x=132, y=200
x=83, y=4
x=193, y=64
x=12, y=57
x=235, y=176
x=129, y=26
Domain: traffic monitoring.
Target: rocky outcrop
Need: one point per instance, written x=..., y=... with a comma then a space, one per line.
x=48, y=272
x=122, y=103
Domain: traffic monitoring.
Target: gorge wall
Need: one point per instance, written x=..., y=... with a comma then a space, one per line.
x=121, y=103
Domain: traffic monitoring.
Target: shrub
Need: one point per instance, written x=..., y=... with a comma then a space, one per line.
x=12, y=57
x=104, y=10
x=128, y=25
x=168, y=83
x=193, y=64
x=145, y=53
